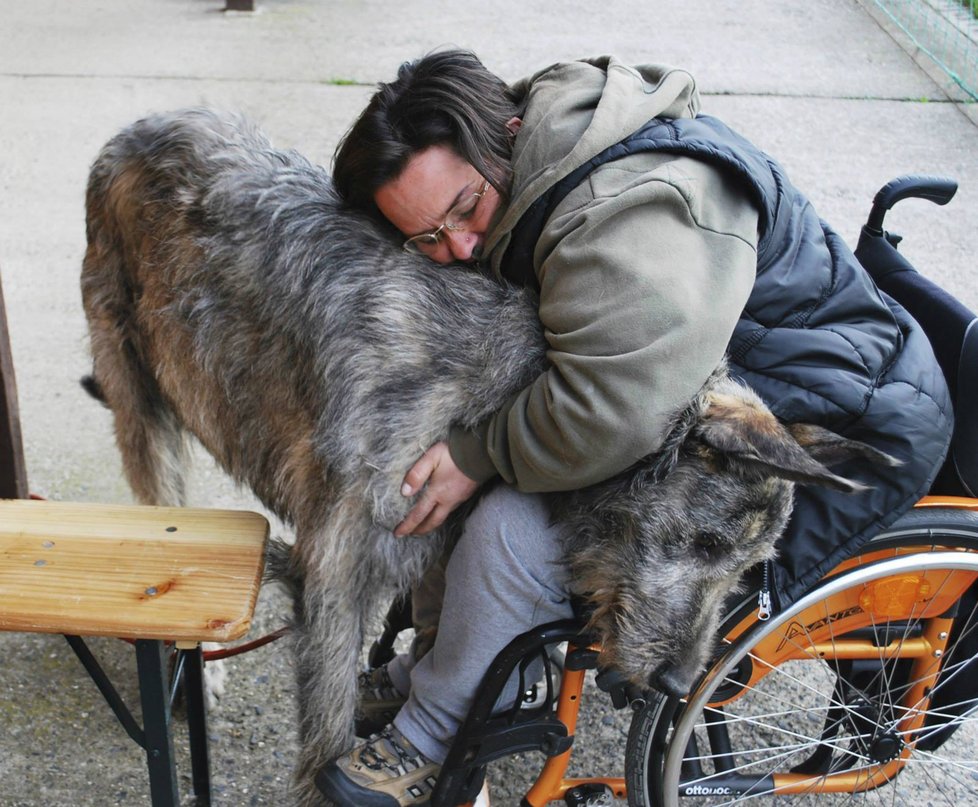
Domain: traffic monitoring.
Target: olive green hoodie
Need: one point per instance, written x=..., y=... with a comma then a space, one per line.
x=643, y=271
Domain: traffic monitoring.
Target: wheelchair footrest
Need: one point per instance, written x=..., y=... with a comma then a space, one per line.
x=502, y=738
x=499, y=738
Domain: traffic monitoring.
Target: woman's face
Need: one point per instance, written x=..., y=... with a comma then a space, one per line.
x=433, y=183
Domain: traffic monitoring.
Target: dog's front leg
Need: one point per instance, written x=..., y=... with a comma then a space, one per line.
x=330, y=615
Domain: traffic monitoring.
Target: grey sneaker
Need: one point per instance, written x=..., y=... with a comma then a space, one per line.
x=386, y=771
x=379, y=702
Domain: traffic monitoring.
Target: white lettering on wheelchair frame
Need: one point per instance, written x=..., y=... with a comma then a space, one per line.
x=706, y=790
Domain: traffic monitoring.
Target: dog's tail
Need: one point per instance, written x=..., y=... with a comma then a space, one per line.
x=280, y=567
x=90, y=384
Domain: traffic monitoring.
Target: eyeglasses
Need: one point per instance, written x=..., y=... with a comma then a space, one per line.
x=455, y=221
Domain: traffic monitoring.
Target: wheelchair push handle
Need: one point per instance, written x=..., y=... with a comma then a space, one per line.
x=939, y=190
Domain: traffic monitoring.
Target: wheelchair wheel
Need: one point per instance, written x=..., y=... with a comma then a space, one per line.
x=867, y=686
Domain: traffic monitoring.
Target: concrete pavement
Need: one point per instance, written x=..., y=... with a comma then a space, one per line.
x=822, y=85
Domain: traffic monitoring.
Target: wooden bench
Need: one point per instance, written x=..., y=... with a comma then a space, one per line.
x=149, y=574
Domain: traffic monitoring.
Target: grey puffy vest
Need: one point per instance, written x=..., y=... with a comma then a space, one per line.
x=818, y=342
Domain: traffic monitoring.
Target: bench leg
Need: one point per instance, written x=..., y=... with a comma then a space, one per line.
x=154, y=696
x=193, y=686
x=109, y=692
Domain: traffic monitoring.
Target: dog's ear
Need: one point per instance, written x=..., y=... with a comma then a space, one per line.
x=829, y=448
x=750, y=438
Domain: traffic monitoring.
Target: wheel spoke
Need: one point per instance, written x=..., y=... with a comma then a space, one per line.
x=809, y=741
x=953, y=720
x=948, y=770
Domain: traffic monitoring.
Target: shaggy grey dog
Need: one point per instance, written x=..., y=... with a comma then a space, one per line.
x=230, y=295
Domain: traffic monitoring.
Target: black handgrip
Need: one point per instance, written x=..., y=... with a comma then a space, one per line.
x=939, y=190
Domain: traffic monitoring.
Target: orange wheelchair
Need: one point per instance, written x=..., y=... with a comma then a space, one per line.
x=865, y=687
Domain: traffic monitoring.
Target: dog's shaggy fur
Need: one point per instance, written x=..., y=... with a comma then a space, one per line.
x=230, y=295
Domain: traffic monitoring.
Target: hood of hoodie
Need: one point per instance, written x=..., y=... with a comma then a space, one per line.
x=572, y=112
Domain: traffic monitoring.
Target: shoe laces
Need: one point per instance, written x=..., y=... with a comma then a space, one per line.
x=374, y=758
x=376, y=685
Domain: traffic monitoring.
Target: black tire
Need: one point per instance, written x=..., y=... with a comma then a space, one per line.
x=858, y=718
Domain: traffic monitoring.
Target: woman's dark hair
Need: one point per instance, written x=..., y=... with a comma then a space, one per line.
x=447, y=98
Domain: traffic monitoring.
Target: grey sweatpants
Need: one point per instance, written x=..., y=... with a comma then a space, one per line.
x=503, y=578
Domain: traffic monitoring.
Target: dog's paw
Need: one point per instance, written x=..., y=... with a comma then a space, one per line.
x=215, y=680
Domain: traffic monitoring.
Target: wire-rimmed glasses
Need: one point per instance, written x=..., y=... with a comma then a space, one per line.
x=456, y=220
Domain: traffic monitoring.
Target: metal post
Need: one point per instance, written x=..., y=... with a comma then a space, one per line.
x=13, y=471
x=154, y=696
x=193, y=687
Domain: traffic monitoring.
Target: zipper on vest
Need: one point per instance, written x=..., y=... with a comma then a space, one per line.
x=764, y=595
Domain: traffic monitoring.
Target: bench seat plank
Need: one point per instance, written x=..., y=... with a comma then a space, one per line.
x=181, y=574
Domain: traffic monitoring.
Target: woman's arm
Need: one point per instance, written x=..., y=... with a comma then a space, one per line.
x=642, y=282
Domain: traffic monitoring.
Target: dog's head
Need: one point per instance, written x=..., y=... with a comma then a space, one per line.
x=658, y=549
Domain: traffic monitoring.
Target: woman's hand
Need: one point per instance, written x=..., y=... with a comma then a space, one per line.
x=447, y=488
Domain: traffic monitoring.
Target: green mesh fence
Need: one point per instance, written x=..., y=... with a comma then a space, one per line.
x=946, y=30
